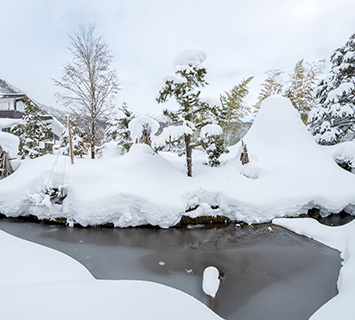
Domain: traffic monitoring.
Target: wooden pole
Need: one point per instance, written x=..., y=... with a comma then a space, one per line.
x=70, y=141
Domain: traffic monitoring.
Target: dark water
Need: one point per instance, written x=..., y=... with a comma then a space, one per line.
x=266, y=273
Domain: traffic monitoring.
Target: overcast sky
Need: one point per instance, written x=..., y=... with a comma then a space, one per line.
x=240, y=38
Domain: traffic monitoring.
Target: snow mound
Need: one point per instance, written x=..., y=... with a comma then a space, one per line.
x=138, y=124
x=193, y=57
x=210, y=282
x=9, y=143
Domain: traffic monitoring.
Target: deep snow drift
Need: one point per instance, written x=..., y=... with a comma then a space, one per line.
x=288, y=173
x=40, y=283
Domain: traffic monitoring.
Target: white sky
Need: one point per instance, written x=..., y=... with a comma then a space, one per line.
x=241, y=38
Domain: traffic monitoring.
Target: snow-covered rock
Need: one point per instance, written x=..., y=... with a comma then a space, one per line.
x=210, y=281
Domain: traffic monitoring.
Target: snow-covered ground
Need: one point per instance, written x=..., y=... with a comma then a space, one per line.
x=40, y=283
x=287, y=174
x=340, y=238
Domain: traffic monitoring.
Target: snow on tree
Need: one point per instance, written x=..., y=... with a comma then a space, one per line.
x=300, y=89
x=232, y=109
x=333, y=119
x=212, y=142
x=185, y=86
x=80, y=148
x=142, y=128
x=33, y=131
x=117, y=129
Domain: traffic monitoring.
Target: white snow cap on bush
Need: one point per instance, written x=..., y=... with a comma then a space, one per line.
x=192, y=57
x=210, y=130
x=9, y=143
x=210, y=282
x=137, y=125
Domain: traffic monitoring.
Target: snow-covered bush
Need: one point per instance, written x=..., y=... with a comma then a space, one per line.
x=142, y=128
x=213, y=143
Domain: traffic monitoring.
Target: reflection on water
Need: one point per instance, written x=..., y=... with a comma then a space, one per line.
x=268, y=272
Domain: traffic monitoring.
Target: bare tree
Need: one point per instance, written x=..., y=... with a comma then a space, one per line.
x=90, y=86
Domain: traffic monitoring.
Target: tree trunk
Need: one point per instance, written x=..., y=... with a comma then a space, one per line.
x=188, y=155
x=92, y=142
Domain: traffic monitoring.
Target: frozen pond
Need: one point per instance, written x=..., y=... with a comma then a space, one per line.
x=268, y=272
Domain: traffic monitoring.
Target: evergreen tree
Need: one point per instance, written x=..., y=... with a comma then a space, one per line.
x=333, y=119
x=213, y=143
x=301, y=87
x=232, y=109
x=185, y=88
x=79, y=145
x=33, y=131
x=117, y=128
x=273, y=84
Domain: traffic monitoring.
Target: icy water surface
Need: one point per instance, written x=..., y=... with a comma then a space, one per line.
x=267, y=272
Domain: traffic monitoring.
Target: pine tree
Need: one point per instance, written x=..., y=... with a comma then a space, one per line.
x=333, y=119
x=300, y=89
x=213, y=143
x=33, y=131
x=185, y=88
x=232, y=109
x=117, y=128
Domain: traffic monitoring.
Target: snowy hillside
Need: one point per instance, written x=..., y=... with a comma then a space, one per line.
x=288, y=174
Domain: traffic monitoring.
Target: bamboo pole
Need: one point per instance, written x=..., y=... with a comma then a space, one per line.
x=70, y=141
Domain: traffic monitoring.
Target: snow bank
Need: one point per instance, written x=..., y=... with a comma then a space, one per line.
x=340, y=238
x=288, y=173
x=210, y=282
x=9, y=143
x=35, y=280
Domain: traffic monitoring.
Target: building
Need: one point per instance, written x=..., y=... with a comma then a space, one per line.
x=12, y=109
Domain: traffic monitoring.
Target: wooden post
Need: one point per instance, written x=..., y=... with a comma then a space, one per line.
x=70, y=141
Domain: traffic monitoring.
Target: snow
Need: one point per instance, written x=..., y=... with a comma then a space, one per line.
x=8, y=122
x=137, y=125
x=288, y=173
x=9, y=143
x=340, y=238
x=172, y=133
x=343, y=152
x=210, y=130
x=40, y=283
x=210, y=282
x=193, y=57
